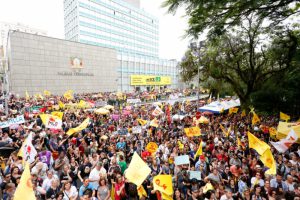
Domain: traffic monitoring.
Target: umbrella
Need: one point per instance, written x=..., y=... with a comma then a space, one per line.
x=102, y=111
x=207, y=113
x=108, y=107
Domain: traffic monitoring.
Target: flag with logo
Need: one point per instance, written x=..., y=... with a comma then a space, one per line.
x=163, y=183
x=284, y=116
x=255, y=119
x=268, y=160
x=58, y=114
x=257, y=144
x=82, y=104
x=152, y=147
x=157, y=111
x=82, y=126
x=51, y=121
x=142, y=122
x=137, y=170
x=47, y=93
x=233, y=110
x=61, y=105
x=24, y=189
x=28, y=150
x=199, y=151
x=192, y=131
x=284, y=144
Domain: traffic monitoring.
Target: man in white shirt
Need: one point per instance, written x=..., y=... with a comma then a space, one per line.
x=47, y=182
x=40, y=170
x=96, y=173
x=227, y=195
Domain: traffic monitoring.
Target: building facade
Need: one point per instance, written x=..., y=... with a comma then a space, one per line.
x=38, y=63
x=123, y=26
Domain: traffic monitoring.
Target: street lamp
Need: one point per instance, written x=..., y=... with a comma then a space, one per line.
x=196, y=50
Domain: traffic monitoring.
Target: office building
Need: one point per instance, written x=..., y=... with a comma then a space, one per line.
x=133, y=33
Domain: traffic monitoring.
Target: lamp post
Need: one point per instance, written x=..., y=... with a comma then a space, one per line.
x=196, y=49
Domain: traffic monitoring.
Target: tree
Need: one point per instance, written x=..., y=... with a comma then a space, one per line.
x=245, y=59
x=219, y=15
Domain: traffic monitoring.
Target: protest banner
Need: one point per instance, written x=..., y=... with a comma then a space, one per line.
x=182, y=160
x=136, y=129
x=134, y=101
x=195, y=175
x=18, y=120
x=192, y=131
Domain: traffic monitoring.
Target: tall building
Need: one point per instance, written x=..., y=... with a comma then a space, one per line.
x=123, y=26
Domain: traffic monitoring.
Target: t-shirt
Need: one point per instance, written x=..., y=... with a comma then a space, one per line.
x=123, y=166
x=85, y=170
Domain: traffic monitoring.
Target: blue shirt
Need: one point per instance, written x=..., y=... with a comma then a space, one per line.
x=82, y=189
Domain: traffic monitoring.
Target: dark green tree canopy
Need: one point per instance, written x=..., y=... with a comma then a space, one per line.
x=218, y=15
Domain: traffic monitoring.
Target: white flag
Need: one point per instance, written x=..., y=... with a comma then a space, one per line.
x=157, y=111
x=29, y=151
x=284, y=144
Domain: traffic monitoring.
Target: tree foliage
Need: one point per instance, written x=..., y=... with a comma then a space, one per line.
x=218, y=15
x=243, y=59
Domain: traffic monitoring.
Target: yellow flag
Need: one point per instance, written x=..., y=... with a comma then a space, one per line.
x=24, y=190
x=226, y=133
x=61, y=105
x=243, y=113
x=137, y=170
x=257, y=144
x=112, y=192
x=57, y=114
x=255, y=118
x=181, y=146
x=154, y=122
x=163, y=183
x=192, y=131
x=82, y=104
x=268, y=160
x=207, y=187
x=47, y=93
x=68, y=94
x=141, y=191
x=199, y=151
x=142, y=122
x=233, y=110
x=284, y=116
x=27, y=96
x=82, y=126
x=152, y=147
x=166, y=197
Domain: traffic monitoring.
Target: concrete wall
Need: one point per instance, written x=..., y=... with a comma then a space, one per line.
x=38, y=62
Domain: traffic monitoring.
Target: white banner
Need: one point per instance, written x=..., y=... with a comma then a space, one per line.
x=18, y=120
x=136, y=129
x=134, y=101
x=100, y=103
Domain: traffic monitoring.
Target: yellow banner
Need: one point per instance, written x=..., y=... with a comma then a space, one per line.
x=150, y=80
x=82, y=126
x=137, y=170
x=192, y=131
x=163, y=183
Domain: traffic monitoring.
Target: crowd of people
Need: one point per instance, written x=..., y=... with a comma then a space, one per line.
x=90, y=164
